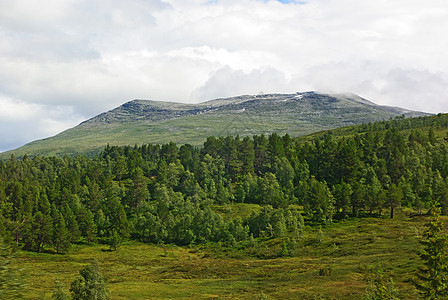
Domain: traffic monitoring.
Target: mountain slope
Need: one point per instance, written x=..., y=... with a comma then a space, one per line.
x=145, y=121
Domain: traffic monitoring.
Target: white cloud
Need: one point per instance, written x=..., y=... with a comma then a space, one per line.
x=93, y=55
x=227, y=82
x=413, y=88
x=21, y=121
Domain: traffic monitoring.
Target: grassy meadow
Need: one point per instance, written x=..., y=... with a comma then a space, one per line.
x=330, y=262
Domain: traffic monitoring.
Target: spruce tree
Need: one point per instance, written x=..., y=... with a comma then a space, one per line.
x=114, y=240
x=433, y=276
x=60, y=238
x=71, y=224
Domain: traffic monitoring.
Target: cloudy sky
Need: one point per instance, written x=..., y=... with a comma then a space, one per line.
x=64, y=61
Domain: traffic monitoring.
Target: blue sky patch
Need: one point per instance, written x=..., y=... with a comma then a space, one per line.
x=291, y=1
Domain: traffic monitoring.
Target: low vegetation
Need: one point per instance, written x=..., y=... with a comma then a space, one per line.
x=340, y=263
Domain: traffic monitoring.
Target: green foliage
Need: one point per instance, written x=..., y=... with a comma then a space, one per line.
x=168, y=194
x=342, y=194
x=262, y=296
x=319, y=202
x=433, y=276
x=320, y=235
x=11, y=280
x=352, y=248
x=60, y=237
x=325, y=271
x=91, y=284
x=114, y=240
x=59, y=291
x=381, y=288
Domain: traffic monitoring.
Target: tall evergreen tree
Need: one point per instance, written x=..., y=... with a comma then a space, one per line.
x=86, y=224
x=60, y=237
x=138, y=192
x=247, y=155
x=433, y=276
x=342, y=193
x=71, y=224
x=39, y=233
x=260, y=154
x=394, y=198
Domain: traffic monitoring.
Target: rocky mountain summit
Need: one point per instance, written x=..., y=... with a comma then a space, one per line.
x=307, y=106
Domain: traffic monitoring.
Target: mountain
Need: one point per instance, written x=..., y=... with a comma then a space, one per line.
x=146, y=121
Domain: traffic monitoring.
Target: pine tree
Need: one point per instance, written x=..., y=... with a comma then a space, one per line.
x=114, y=240
x=87, y=224
x=90, y=285
x=40, y=232
x=433, y=276
x=71, y=224
x=395, y=196
x=342, y=193
x=60, y=238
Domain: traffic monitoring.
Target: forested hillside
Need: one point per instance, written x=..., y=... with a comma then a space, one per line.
x=171, y=194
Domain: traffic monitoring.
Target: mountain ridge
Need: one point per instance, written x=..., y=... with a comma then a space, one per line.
x=148, y=121
x=156, y=110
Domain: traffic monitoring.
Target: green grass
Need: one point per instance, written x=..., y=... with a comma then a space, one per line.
x=188, y=130
x=232, y=211
x=353, y=250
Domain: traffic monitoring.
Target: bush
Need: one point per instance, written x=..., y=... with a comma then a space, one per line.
x=325, y=271
x=90, y=285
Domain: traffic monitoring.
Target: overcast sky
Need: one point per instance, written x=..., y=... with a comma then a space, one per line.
x=64, y=61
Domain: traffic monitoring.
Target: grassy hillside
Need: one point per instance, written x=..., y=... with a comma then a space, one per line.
x=349, y=252
x=142, y=122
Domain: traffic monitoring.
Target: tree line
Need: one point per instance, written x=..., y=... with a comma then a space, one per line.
x=169, y=193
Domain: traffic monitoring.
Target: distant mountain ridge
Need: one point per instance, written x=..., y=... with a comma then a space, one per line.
x=149, y=121
x=158, y=110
